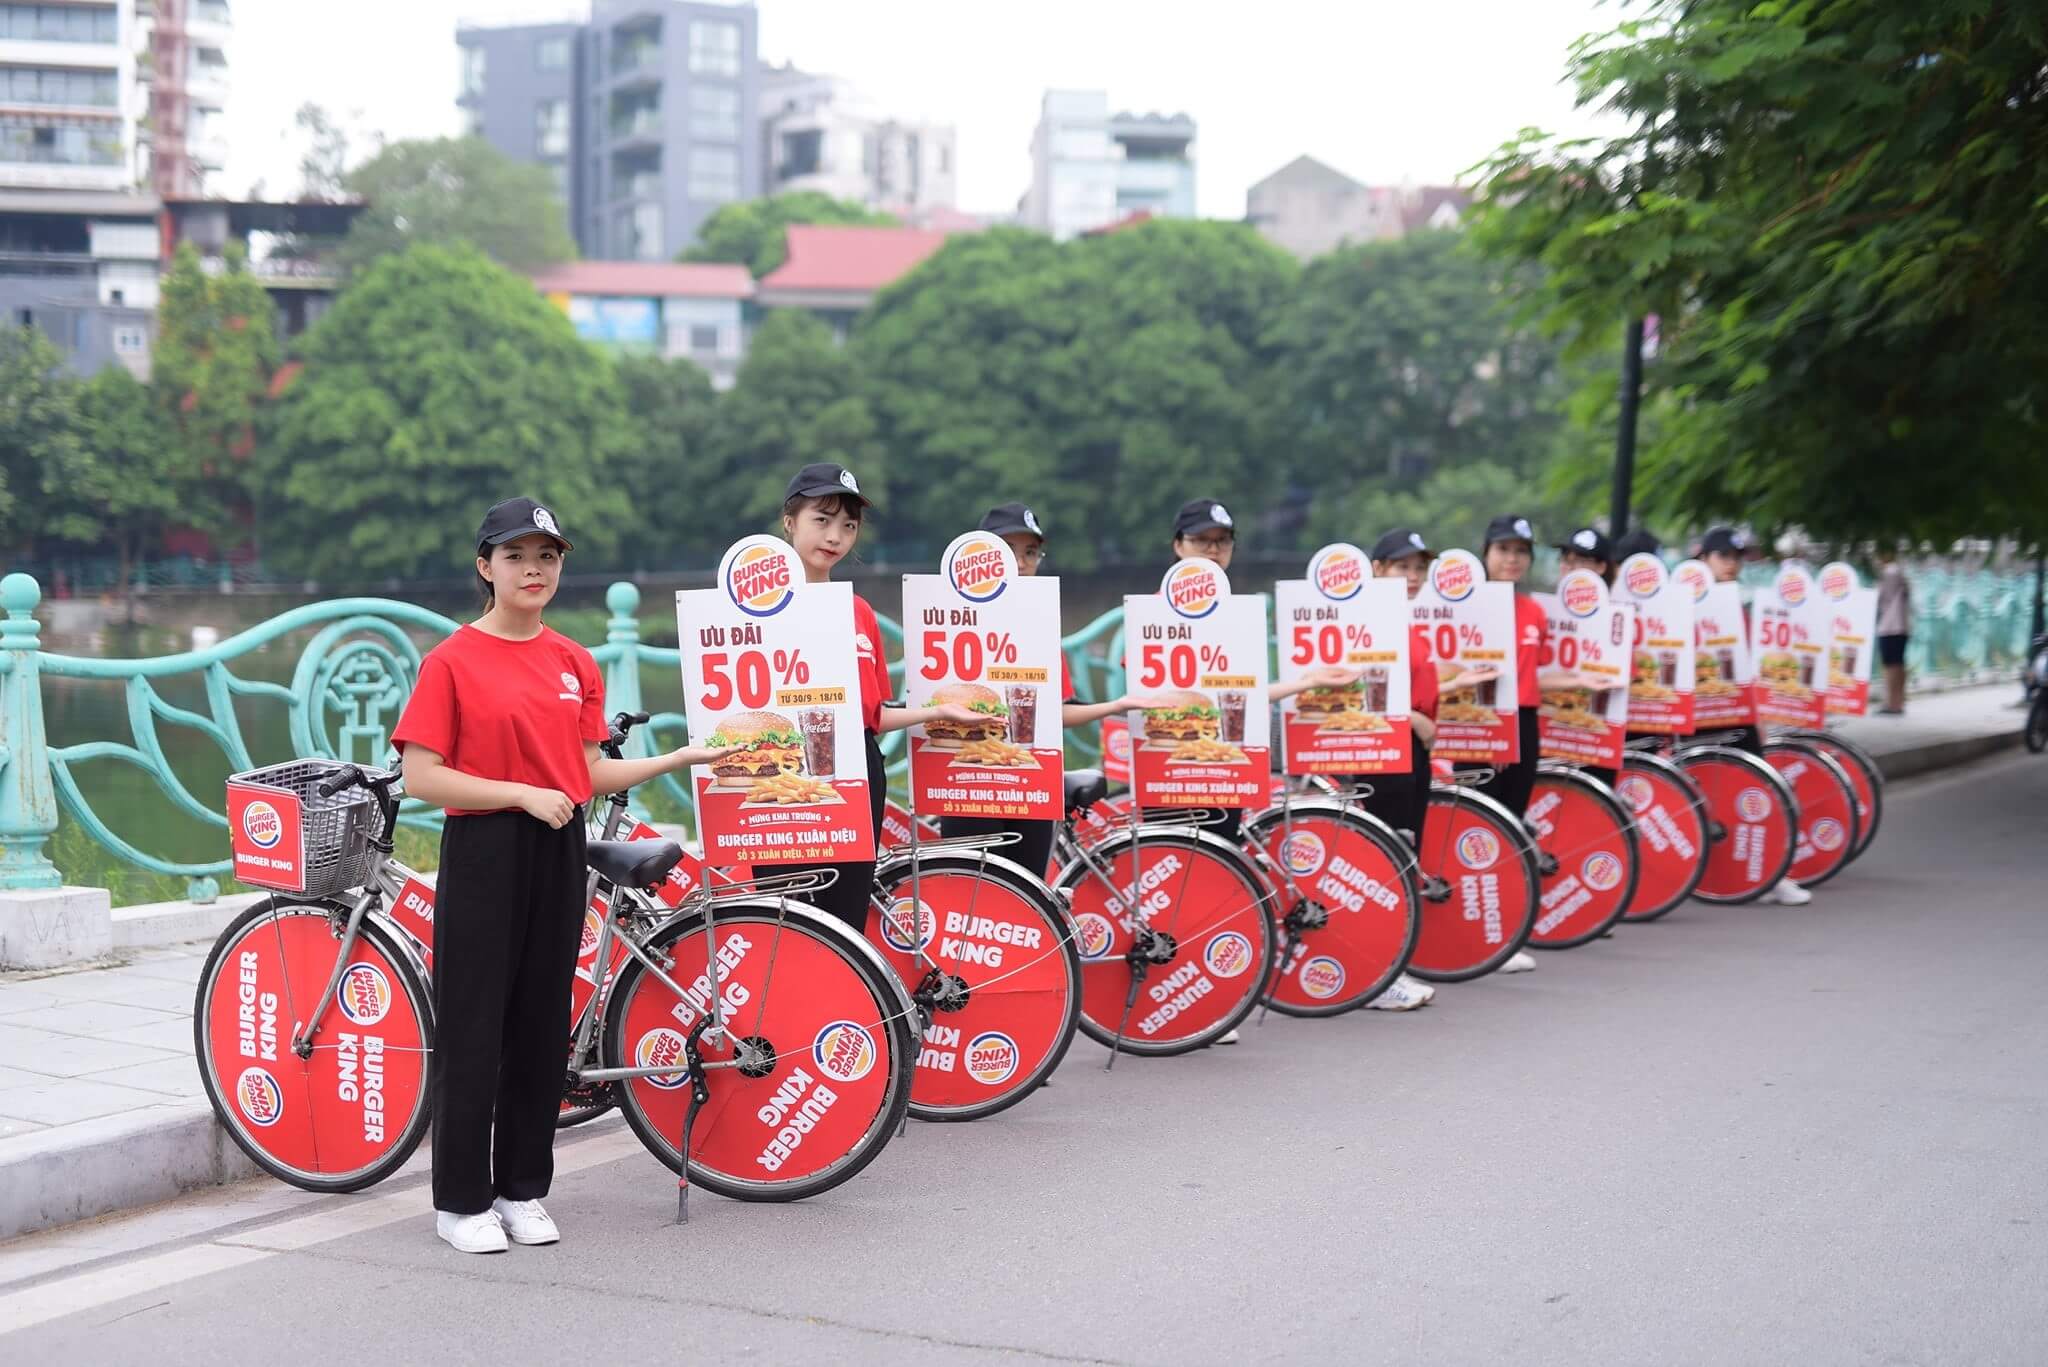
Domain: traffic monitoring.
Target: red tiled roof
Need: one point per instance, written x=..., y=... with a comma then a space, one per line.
x=647, y=279
x=1136, y=218
x=850, y=259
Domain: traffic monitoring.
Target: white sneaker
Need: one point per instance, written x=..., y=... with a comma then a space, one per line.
x=525, y=1221
x=1790, y=894
x=1521, y=961
x=1402, y=994
x=1227, y=1037
x=471, y=1233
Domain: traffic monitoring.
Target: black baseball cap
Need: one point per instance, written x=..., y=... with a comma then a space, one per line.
x=1724, y=540
x=1012, y=519
x=1641, y=541
x=1507, y=528
x=826, y=480
x=1590, y=541
x=1200, y=515
x=517, y=517
x=1398, y=543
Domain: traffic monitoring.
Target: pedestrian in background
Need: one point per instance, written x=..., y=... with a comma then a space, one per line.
x=1894, y=625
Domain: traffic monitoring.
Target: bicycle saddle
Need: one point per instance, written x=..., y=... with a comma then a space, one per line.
x=1085, y=788
x=633, y=863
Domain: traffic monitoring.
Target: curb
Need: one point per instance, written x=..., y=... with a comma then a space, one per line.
x=118, y=1162
x=1943, y=754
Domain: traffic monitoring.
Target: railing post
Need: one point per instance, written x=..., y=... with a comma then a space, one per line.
x=28, y=803
x=622, y=685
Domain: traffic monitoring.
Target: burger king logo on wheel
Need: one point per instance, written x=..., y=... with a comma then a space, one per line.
x=843, y=1051
x=364, y=995
x=909, y=926
x=1827, y=834
x=1455, y=576
x=1643, y=576
x=991, y=1058
x=1338, y=571
x=258, y=1097
x=760, y=575
x=1601, y=872
x=1580, y=593
x=1093, y=935
x=1478, y=849
x=1321, y=977
x=1195, y=588
x=979, y=567
x=1636, y=792
x=1752, y=804
x=262, y=824
x=658, y=1048
x=1227, y=954
x=1302, y=853
x=592, y=924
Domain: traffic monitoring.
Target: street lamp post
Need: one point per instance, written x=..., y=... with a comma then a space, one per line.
x=1625, y=434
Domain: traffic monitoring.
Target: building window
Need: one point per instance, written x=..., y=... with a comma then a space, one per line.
x=57, y=86
x=714, y=174
x=714, y=48
x=560, y=171
x=638, y=232
x=130, y=341
x=58, y=23
x=551, y=128
x=473, y=123
x=801, y=153
x=81, y=144
x=472, y=71
x=551, y=54
x=715, y=113
x=703, y=339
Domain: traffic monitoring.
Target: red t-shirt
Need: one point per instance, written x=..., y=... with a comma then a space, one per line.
x=869, y=661
x=1531, y=622
x=1066, y=681
x=515, y=711
x=1421, y=673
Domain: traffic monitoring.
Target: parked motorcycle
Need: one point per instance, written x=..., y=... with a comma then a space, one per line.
x=2037, y=695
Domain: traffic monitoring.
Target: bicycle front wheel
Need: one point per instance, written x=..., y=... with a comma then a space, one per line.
x=1334, y=859
x=1671, y=833
x=351, y=1111
x=1582, y=826
x=1756, y=821
x=1864, y=777
x=1828, y=820
x=1487, y=882
x=820, y=1022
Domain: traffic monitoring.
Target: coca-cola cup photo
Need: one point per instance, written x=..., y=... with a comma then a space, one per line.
x=820, y=726
x=1484, y=691
x=1806, y=671
x=1667, y=668
x=1375, y=690
x=1022, y=700
x=1724, y=660
x=1233, y=716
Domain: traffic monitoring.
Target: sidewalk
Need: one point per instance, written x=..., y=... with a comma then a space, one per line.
x=100, y=1103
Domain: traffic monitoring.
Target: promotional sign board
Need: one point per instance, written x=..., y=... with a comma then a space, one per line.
x=1792, y=629
x=768, y=666
x=1661, y=672
x=1341, y=616
x=1116, y=751
x=1202, y=649
x=1464, y=623
x=266, y=837
x=1583, y=672
x=1724, y=687
x=1855, y=612
x=983, y=636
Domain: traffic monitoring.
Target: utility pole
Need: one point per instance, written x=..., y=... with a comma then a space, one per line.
x=1625, y=436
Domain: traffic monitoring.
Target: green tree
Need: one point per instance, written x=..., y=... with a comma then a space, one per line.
x=125, y=481
x=1835, y=212
x=446, y=190
x=437, y=384
x=670, y=405
x=39, y=426
x=750, y=232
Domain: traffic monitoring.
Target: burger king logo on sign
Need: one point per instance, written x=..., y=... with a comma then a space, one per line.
x=1837, y=581
x=1601, y=872
x=991, y=1058
x=1478, y=849
x=364, y=995
x=658, y=1048
x=1696, y=577
x=1580, y=593
x=1227, y=955
x=909, y=926
x=1791, y=587
x=1093, y=935
x=759, y=575
x=1453, y=577
x=1195, y=588
x=1321, y=977
x=258, y=1097
x=844, y=1051
x=262, y=824
x=979, y=567
x=1643, y=576
x=1302, y=853
x=1338, y=572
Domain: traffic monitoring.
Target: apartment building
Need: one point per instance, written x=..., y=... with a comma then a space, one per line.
x=1091, y=168
x=822, y=133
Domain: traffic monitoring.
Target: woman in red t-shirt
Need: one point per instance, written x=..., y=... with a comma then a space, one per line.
x=822, y=512
x=1403, y=800
x=502, y=730
x=1509, y=549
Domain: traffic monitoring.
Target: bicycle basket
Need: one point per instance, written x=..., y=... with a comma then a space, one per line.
x=289, y=837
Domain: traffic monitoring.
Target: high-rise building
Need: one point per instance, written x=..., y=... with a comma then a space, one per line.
x=821, y=133
x=648, y=115
x=1091, y=168
x=185, y=73
x=69, y=99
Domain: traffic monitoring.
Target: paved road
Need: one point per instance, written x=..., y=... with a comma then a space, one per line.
x=1737, y=1136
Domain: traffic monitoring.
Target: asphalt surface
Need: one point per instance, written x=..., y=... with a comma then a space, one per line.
x=1739, y=1135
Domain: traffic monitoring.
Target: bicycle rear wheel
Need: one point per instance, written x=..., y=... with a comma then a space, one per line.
x=1758, y=823
x=1000, y=932
x=833, y=1030
x=350, y=1113
x=1828, y=824
x=1582, y=825
x=1336, y=861
x=1670, y=815
x=1478, y=850
x=1196, y=888
x=1864, y=776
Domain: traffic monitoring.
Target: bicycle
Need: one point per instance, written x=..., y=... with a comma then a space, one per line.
x=1753, y=821
x=1588, y=853
x=1830, y=814
x=805, y=1098
x=1864, y=776
x=1481, y=875
x=1672, y=829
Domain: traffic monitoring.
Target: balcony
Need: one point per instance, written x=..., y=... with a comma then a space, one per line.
x=642, y=125
x=636, y=64
x=208, y=25
x=643, y=185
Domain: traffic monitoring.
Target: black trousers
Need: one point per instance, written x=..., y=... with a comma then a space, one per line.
x=1511, y=784
x=1402, y=800
x=1748, y=738
x=847, y=898
x=508, y=914
x=1034, y=845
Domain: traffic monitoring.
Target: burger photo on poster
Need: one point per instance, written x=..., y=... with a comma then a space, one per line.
x=1186, y=716
x=764, y=745
x=951, y=735
x=1326, y=700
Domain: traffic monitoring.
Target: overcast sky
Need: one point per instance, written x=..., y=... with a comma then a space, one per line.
x=1385, y=91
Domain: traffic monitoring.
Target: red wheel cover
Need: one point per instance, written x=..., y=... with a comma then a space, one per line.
x=1335, y=866
x=1746, y=861
x=1490, y=889
x=1827, y=815
x=1592, y=851
x=350, y=1103
x=1859, y=783
x=1671, y=839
